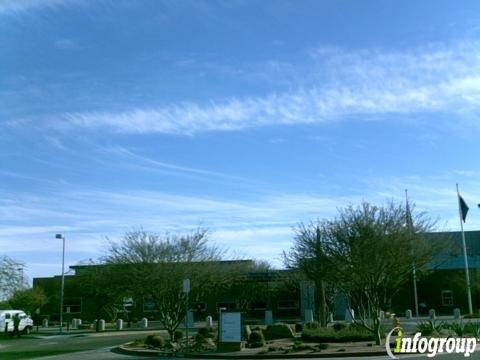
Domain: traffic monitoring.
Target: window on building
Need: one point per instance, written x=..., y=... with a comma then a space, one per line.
x=72, y=305
x=447, y=298
x=226, y=305
x=149, y=304
x=258, y=305
x=287, y=304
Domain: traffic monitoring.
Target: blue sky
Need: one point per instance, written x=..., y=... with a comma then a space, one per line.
x=245, y=117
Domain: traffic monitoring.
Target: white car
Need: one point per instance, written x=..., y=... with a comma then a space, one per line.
x=6, y=321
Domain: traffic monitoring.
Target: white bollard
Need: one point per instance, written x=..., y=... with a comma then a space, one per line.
x=79, y=322
x=330, y=317
x=381, y=315
x=431, y=314
x=209, y=321
x=45, y=323
x=408, y=314
x=144, y=323
x=101, y=325
x=308, y=315
x=349, y=315
x=456, y=313
x=119, y=324
x=74, y=323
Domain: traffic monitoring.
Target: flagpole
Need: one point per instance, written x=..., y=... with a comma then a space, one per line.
x=414, y=270
x=465, y=257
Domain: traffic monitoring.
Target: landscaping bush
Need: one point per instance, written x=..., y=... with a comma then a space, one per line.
x=256, y=339
x=313, y=325
x=178, y=334
x=431, y=327
x=473, y=328
x=339, y=326
x=207, y=332
x=330, y=335
x=155, y=340
x=278, y=331
x=298, y=327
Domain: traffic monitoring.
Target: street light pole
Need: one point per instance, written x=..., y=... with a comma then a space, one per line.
x=60, y=236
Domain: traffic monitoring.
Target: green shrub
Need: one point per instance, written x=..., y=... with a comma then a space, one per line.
x=313, y=325
x=322, y=346
x=278, y=331
x=339, y=326
x=472, y=316
x=330, y=335
x=256, y=339
x=298, y=327
x=155, y=340
x=178, y=334
x=431, y=327
x=207, y=332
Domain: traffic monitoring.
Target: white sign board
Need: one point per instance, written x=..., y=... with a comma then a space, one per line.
x=231, y=327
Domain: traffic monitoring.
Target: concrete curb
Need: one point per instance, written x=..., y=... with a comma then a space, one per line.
x=152, y=353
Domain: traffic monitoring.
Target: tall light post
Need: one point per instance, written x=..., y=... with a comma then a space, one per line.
x=20, y=270
x=60, y=236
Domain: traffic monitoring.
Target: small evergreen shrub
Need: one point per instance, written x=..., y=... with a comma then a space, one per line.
x=207, y=332
x=155, y=340
x=313, y=325
x=256, y=339
x=339, y=326
x=178, y=334
x=278, y=331
x=298, y=327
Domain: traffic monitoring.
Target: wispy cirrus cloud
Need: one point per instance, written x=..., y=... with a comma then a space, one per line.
x=21, y=6
x=436, y=78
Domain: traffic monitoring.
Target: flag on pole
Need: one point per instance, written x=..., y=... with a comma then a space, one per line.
x=463, y=207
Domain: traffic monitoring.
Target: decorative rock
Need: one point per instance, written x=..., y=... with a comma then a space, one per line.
x=349, y=315
x=268, y=317
x=119, y=324
x=456, y=313
x=408, y=314
x=144, y=323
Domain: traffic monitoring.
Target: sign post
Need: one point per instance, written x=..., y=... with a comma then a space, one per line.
x=230, y=331
x=186, y=290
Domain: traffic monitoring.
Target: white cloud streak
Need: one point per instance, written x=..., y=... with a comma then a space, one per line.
x=437, y=78
x=8, y=7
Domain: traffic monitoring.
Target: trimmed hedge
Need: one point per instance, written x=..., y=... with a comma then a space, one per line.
x=347, y=334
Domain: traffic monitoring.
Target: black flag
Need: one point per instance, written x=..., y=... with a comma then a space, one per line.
x=463, y=207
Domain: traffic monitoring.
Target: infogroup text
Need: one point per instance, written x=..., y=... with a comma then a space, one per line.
x=429, y=345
